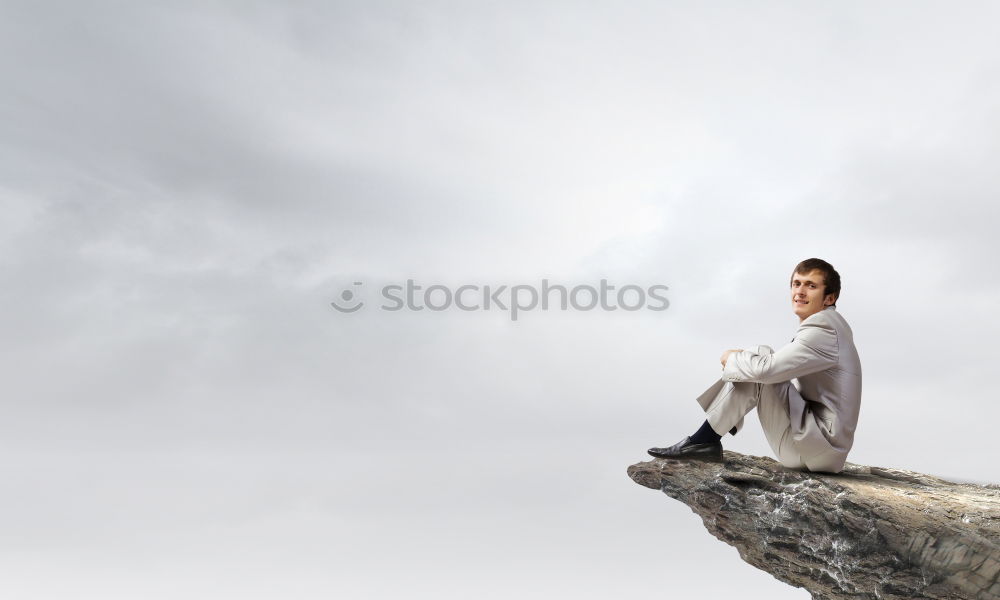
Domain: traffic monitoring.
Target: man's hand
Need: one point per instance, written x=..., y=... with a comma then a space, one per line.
x=725, y=356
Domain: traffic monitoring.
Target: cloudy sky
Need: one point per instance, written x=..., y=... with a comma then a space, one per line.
x=186, y=186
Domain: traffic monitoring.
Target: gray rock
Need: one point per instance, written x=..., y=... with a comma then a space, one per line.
x=868, y=532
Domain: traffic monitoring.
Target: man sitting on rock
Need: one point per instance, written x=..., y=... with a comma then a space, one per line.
x=807, y=394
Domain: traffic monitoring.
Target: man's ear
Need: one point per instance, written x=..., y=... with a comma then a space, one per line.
x=829, y=300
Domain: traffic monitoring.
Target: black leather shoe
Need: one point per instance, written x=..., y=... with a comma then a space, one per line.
x=686, y=449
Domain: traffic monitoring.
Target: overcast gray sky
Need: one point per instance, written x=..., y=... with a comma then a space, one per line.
x=186, y=186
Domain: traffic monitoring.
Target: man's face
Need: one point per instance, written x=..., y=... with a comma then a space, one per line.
x=807, y=294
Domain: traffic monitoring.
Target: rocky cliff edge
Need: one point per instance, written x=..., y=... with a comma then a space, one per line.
x=868, y=532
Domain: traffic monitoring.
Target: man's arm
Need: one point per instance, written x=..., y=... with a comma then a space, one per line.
x=725, y=356
x=813, y=349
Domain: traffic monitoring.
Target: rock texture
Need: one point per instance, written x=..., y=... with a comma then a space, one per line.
x=868, y=532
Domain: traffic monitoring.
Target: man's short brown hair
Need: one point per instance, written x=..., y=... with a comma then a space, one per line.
x=831, y=278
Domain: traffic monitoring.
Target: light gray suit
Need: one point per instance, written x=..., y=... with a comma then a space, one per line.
x=807, y=394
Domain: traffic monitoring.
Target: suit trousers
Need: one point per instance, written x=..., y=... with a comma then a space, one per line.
x=726, y=403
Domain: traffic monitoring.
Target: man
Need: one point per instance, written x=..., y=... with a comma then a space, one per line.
x=807, y=394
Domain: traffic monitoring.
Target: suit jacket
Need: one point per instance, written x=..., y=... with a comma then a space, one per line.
x=824, y=404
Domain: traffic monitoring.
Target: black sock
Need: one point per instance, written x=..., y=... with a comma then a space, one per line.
x=705, y=435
